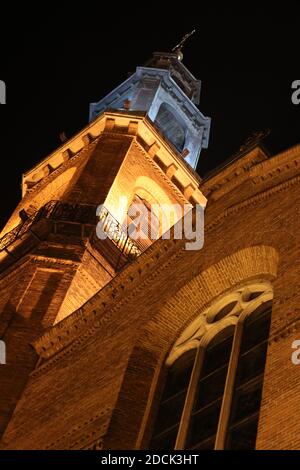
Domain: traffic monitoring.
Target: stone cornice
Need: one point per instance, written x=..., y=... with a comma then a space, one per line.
x=253, y=166
x=252, y=201
x=283, y=162
x=54, y=173
x=233, y=172
x=127, y=123
x=47, y=261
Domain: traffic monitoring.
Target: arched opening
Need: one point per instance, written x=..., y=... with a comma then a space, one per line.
x=172, y=402
x=205, y=414
x=247, y=388
x=142, y=222
x=171, y=126
x=151, y=203
x=217, y=405
x=145, y=93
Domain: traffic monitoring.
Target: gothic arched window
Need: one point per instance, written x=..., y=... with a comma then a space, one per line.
x=213, y=388
x=172, y=402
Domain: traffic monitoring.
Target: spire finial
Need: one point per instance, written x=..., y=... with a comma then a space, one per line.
x=255, y=138
x=179, y=47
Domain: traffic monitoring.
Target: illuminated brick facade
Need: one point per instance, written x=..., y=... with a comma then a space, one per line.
x=87, y=337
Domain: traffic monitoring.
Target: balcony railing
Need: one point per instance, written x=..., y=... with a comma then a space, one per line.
x=15, y=233
x=117, y=235
x=53, y=210
x=63, y=213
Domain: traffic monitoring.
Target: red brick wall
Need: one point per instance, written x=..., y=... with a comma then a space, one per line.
x=101, y=384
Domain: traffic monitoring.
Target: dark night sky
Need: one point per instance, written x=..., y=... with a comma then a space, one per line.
x=56, y=62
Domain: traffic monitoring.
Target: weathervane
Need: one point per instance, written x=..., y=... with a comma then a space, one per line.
x=179, y=47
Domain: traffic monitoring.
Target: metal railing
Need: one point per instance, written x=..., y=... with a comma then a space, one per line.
x=15, y=233
x=117, y=235
x=77, y=213
x=53, y=210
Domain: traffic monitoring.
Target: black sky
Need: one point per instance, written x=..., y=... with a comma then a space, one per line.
x=55, y=62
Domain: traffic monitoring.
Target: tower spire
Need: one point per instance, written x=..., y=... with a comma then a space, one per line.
x=178, y=48
x=166, y=91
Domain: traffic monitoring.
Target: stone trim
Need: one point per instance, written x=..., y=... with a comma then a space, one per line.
x=285, y=331
x=205, y=326
x=67, y=437
x=253, y=166
x=66, y=164
x=162, y=174
x=252, y=201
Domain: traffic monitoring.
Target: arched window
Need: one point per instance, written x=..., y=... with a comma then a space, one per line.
x=171, y=126
x=142, y=222
x=172, y=402
x=248, y=381
x=145, y=93
x=212, y=394
x=210, y=389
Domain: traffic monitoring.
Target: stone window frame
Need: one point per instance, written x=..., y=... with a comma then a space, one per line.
x=199, y=334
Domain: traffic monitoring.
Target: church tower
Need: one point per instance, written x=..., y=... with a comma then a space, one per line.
x=142, y=144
